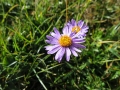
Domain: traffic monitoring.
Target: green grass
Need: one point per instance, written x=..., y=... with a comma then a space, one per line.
x=24, y=63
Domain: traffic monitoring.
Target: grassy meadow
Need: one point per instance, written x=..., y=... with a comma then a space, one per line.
x=24, y=62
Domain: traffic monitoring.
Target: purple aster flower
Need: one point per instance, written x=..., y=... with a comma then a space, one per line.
x=63, y=44
x=78, y=27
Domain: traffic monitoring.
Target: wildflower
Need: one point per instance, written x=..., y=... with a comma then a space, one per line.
x=63, y=44
x=78, y=27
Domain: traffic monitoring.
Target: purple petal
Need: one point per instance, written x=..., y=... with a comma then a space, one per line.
x=57, y=32
x=68, y=23
x=72, y=34
x=78, y=45
x=84, y=30
x=52, y=41
x=54, y=50
x=66, y=31
x=49, y=37
x=85, y=26
x=48, y=47
x=78, y=40
x=68, y=53
x=74, y=52
x=73, y=22
x=75, y=49
x=51, y=47
x=82, y=36
x=80, y=23
x=54, y=35
x=70, y=27
x=48, y=41
x=78, y=35
x=59, y=54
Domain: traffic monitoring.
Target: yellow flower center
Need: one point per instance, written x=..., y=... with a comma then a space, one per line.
x=65, y=41
x=76, y=29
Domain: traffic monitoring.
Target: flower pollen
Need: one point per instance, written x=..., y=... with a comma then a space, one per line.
x=76, y=29
x=65, y=41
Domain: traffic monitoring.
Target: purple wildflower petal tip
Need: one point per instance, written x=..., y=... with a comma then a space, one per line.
x=68, y=53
